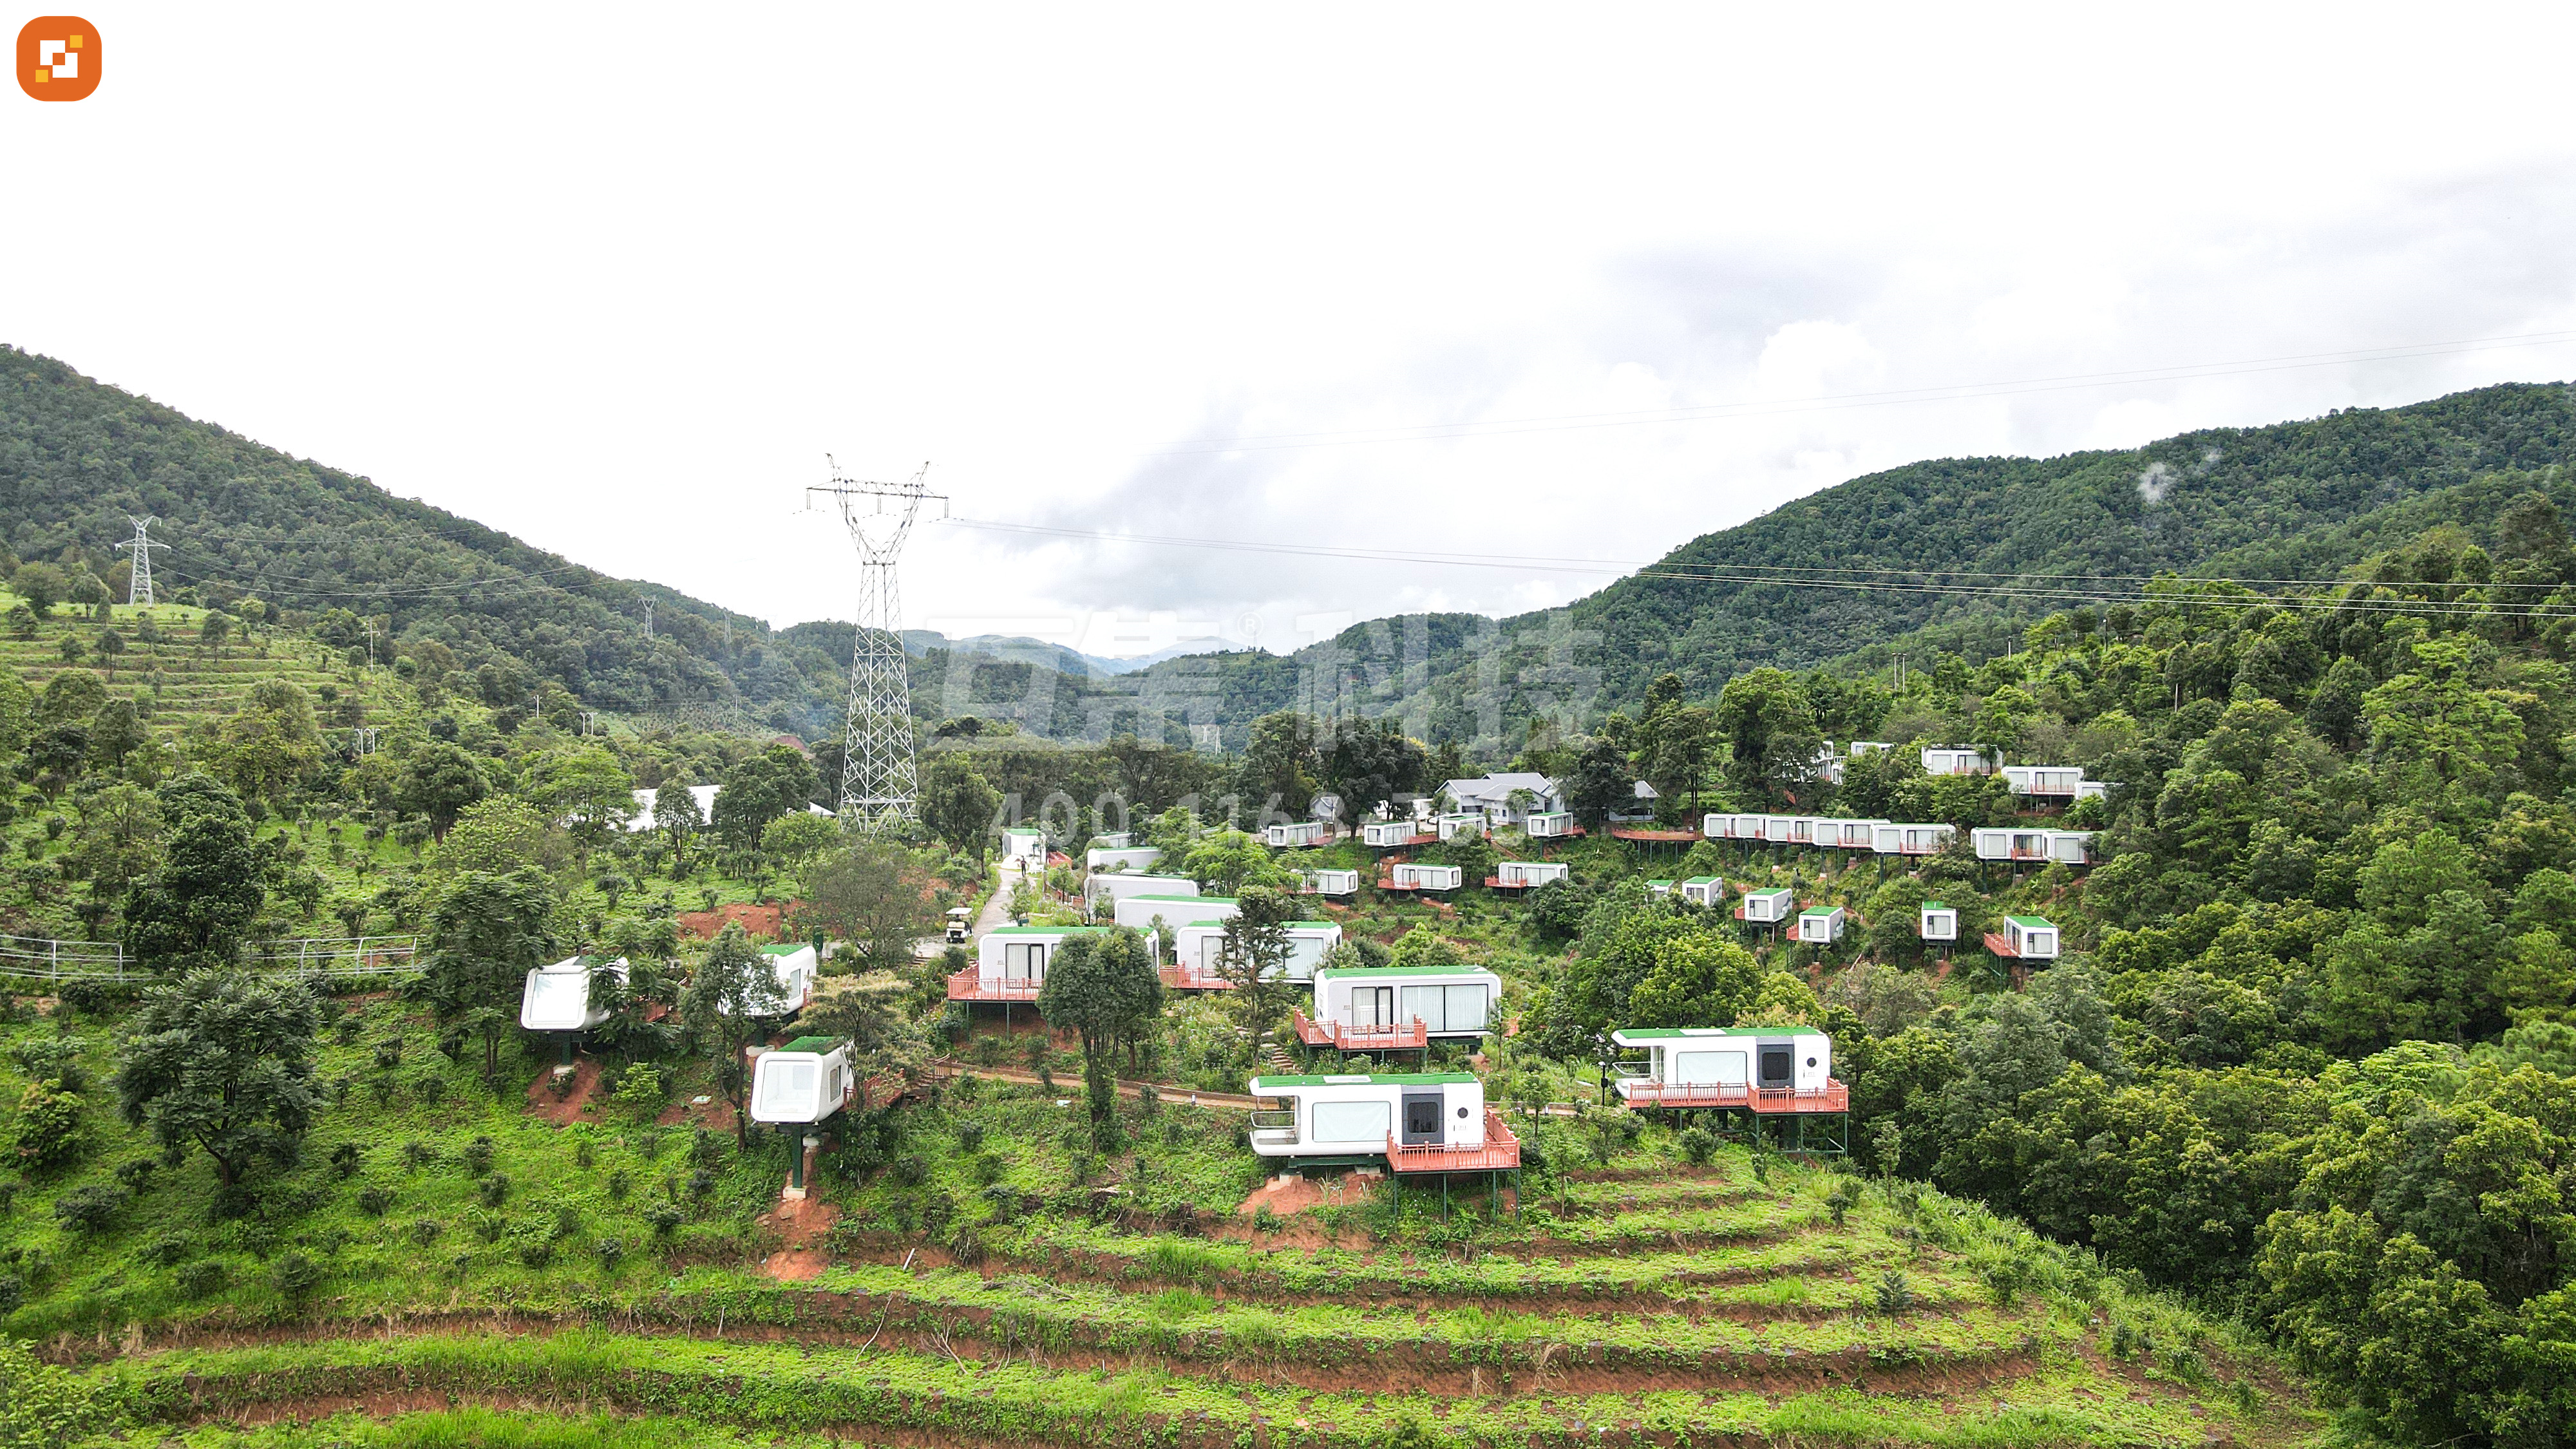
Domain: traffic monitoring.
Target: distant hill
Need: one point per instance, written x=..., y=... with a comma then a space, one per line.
x=2295, y=499
x=2290, y=500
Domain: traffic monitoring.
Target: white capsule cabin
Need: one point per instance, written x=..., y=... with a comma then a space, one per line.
x=1659, y=887
x=2058, y=782
x=1523, y=874
x=1199, y=948
x=1109, y=859
x=1139, y=913
x=1385, y=834
x=1822, y=926
x=1416, y=876
x=1358, y=1114
x=1296, y=834
x=1901, y=838
x=1011, y=962
x=2092, y=789
x=1464, y=822
x=557, y=997
x=1848, y=834
x=1119, y=885
x=1779, y=829
x=1328, y=882
x=1548, y=824
x=2054, y=847
x=1767, y=908
x=1703, y=890
x=1024, y=847
x=789, y=984
x=801, y=1083
x=1450, y=1001
x=1802, y=829
x=2027, y=938
x=1937, y=922
x=1859, y=748
x=1115, y=840
x=1712, y=1066
x=1952, y=760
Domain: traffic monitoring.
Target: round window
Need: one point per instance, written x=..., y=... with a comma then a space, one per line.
x=1462, y=1114
x=1811, y=1061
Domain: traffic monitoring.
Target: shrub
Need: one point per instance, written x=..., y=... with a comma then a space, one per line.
x=345, y=1159
x=970, y=1135
x=609, y=1251
x=619, y=1183
x=583, y=1154
x=567, y=1220
x=53, y=1059
x=203, y=1278
x=298, y=1276
x=493, y=1190
x=135, y=1174
x=48, y=1126
x=477, y=1157
x=1842, y=1199
x=706, y=1149
x=417, y=1154
x=701, y=1183
x=535, y=1250
x=12, y=1294
x=168, y=1250
x=911, y=1170
x=1699, y=1145
x=90, y=1209
x=374, y=1198
x=664, y=1218
x=487, y=1226
x=425, y=1231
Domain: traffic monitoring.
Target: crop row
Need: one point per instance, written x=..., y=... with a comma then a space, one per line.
x=779, y=1387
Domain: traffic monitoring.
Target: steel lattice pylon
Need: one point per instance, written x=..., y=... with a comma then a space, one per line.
x=879, y=779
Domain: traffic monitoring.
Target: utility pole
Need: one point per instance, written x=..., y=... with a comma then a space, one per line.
x=140, y=591
x=879, y=777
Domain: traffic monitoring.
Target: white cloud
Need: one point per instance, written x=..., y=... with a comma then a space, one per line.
x=1048, y=248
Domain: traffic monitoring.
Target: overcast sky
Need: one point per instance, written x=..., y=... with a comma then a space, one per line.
x=616, y=279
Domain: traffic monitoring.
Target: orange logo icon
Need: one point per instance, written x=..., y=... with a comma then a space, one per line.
x=58, y=58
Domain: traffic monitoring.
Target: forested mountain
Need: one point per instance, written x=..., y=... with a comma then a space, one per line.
x=257, y=529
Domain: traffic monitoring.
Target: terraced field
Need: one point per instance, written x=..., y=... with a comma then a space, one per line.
x=185, y=680
x=965, y=1274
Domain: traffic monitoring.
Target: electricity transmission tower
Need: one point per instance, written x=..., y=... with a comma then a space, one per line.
x=140, y=592
x=879, y=780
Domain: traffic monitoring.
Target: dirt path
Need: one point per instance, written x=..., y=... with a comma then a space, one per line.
x=1173, y=1094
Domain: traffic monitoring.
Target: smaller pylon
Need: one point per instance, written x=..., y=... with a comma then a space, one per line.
x=140, y=591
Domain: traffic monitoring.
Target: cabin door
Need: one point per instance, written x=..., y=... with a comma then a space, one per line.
x=1421, y=1117
x=1372, y=1006
x=1773, y=1066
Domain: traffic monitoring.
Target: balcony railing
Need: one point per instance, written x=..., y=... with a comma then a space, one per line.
x=1408, y=1036
x=1501, y=1152
x=969, y=985
x=1186, y=977
x=1833, y=1096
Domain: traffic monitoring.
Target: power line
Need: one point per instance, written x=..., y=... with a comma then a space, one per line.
x=1829, y=402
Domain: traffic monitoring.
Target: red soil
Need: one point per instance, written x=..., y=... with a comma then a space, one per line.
x=767, y=922
x=573, y=1106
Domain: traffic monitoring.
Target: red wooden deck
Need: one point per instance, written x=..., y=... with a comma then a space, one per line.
x=1410, y=1036
x=968, y=985
x=1835, y=1097
x=1497, y=883
x=1653, y=837
x=1501, y=1152
x=1191, y=978
x=2000, y=944
x=1409, y=840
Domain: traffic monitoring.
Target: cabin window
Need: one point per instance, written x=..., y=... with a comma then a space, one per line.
x=1023, y=961
x=1371, y=1006
x=1775, y=1066
x=1707, y=1069
x=1447, y=1008
x=1351, y=1121
x=1421, y=1119
x=787, y=1090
